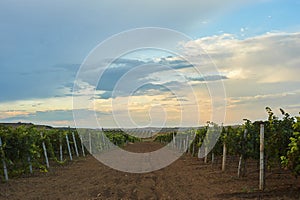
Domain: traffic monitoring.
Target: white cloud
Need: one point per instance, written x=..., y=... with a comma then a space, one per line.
x=271, y=57
x=262, y=71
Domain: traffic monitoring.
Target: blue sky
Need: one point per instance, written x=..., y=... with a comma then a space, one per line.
x=255, y=45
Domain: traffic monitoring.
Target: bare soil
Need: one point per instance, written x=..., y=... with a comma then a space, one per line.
x=187, y=178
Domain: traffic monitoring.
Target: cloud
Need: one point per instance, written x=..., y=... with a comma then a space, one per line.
x=285, y=98
x=272, y=57
x=126, y=76
x=113, y=73
x=153, y=81
x=253, y=107
x=151, y=89
x=261, y=71
x=207, y=78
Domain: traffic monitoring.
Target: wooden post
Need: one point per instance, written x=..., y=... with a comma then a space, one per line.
x=187, y=144
x=75, y=144
x=82, y=146
x=180, y=144
x=261, y=159
x=205, y=153
x=3, y=162
x=45, y=152
x=193, y=142
x=224, y=157
x=30, y=165
x=105, y=146
x=174, y=140
x=241, y=167
x=69, y=149
x=90, y=142
x=244, y=159
x=102, y=136
x=212, y=158
x=60, y=148
x=193, y=148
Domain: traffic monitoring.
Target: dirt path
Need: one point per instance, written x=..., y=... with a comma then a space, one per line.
x=187, y=178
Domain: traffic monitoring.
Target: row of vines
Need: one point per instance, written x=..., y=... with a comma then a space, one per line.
x=22, y=148
x=281, y=142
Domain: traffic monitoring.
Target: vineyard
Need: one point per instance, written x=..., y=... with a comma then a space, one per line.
x=26, y=149
x=27, y=146
x=281, y=145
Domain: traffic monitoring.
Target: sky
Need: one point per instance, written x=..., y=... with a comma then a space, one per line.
x=247, y=53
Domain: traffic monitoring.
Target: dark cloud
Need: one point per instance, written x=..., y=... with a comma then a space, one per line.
x=105, y=95
x=208, y=78
x=113, y=73
x=146, y=89
x=122, y=67
x=151, y=89
x=175, y=63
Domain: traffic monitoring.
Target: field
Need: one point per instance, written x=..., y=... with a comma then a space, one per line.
x=187, y=178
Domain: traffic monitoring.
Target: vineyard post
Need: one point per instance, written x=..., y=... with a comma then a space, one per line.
x=180, y=144
x=174, y=140
x=205, y=153
x=30, y=165
x=60, y=147
x=45, y=151
x=75, y=144
x=212, y=158
x=224, y=150
x=194, y=139
x=186, y=146
x=242, y=159
x=90, y=142
x=69, y=149
x=82, y=146
x=224, y=157
x=199, y=152
x=3, y=162
x=261, y=159
x=188, y=143
x=239, y=166
x=103, y=141
x=193, y=148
